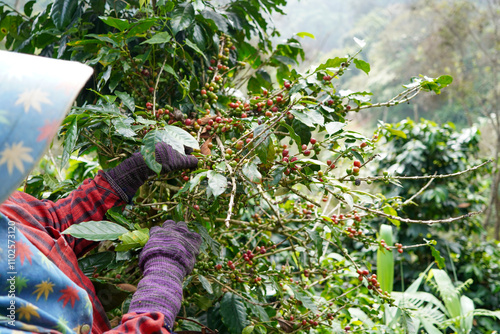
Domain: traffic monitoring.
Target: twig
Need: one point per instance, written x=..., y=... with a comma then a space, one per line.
x=196, y=322
x=390, y=104
x=237, y=293
x=408, y=220
x=418, y=192
x=156, y=86
x=423, y=177
x=233, y=181
x=296, y=192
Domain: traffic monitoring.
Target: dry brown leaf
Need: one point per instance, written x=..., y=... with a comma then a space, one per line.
x=127, y=287
x=204, y=148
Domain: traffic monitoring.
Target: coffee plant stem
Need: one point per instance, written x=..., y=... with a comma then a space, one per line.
x=390, y=104
x=410, y=200
x=422, y=177
x=240, y=295
x=408, y=220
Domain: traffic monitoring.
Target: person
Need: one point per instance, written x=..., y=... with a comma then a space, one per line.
x=43, y=289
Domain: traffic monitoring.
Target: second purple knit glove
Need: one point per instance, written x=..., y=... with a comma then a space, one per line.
x=169, y=255
x=130, y=175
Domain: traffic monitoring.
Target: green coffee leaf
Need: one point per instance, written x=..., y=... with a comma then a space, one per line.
x=331, y=63
x=69, y=141
x=248, y=330
x=62, y=12
x=159, y=38
x=390, y=211
x=176, y=134
x=182, y=17
x=234, y=313
x=206, y=284
x=119, y=24
x=252, y=172
x=133, y=239
x=217, y=183
x=362, y=65
x=307, y=301
x=195, y=48
x=96, y=230
x=123, y=127
x=127, y=100
x=334, y=127
x=96, y=262
x=440, y=261
x=148, y=149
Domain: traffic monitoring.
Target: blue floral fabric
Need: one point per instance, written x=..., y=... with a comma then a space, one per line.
x=35, y=93
x=35, y=295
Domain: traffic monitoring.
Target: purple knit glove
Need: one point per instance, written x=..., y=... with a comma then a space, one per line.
x=130, y=175
x=169, y=255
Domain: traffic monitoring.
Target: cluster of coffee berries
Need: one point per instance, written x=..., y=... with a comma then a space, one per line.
x=248, y=256
x=399, y=247
x=384, y=244
x=353, y=232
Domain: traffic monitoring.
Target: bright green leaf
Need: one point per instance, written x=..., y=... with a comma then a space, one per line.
x=362, y=65
x=304, y=34
x=159, y=38
x=133, y=239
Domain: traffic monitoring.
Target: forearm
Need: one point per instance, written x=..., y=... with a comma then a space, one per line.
x=90, y=201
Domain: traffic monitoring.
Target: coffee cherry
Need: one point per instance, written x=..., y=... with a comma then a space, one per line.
x=188, y=122
x=196, y=207
x=313, y=141
x=185, y=178
x=357, y=163
x=307, y=152
x=304, y=147
x=269, y=102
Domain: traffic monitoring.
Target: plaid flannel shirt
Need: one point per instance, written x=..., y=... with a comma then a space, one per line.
x=42, y=221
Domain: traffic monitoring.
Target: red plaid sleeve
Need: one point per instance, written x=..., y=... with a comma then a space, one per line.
x=145, y=323
x=89, y=202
